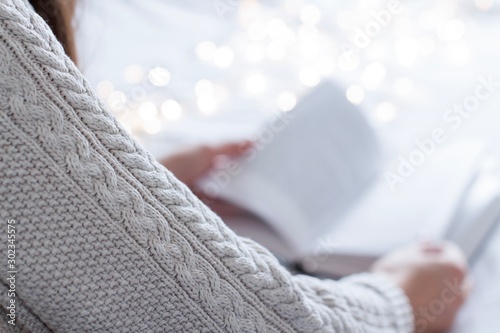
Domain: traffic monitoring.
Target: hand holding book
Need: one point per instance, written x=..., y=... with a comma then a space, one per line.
x=435, y=280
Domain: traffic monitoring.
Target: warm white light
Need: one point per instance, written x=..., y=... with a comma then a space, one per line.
x=255, y=52
x=403, y=27
x=374, y=74
x=346, y=20
x=159, y=76
x=116, y=100
x=257, y=31
x=308, y=32
x=310, y=14
x=148, y=111
x=152, y=127
x=355, y=94
x=386, y=112
x=427, y=45
x=256, y=84
x=309, y=48
x=348, y=61
x=104, y=89
x=224, y=56
x=171, y=110
x=206, y=50
x=325, y=65
x=276, y=29
x=377, y=51
x=309, y=76
x=286, y=101
x=204, y=87
x=133, y=74
x=452, y=30
x=459, y=53
x=404, y=86
x=406, y=51
x=221, y=94
x=207, y=104
x=275, y=51
x=484, y=4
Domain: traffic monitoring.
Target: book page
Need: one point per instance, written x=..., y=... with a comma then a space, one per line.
x=382, y=220
x=312, y=164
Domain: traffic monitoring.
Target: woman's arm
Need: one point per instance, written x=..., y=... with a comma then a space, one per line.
x=109, y=240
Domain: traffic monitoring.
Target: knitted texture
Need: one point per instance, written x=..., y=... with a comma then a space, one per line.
x=108, y=240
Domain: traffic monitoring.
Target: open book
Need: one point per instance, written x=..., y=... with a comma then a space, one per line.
x=320, y=185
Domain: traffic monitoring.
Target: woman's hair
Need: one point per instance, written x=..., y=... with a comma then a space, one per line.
x=59, y=16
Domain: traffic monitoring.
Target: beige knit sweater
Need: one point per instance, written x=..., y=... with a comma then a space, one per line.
x=107, y=240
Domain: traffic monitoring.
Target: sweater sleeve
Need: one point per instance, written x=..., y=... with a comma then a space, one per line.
x=108, y=240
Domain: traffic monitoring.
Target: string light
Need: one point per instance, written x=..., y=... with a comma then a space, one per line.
x=171, y=110
x=104, y=89
x=276, y=29
x=286, y=101
x=256, y=84
x=355, y=94
x=346, y=20
x=148, y=110
x=116, y=100
x=207, y=104
x=325, y=65
x=221, y=94
x=159, y=76
x=275, y=51
x=206, y=50
x=204, y=87
x=310, y=14
x=406, y=51
x=299, y=43
x=451, y=30
x=133, y=74
x=152, y=127
x=257, y=31
x=224, y=56
x=374, y=74
x=309, y=76
x=309, y=48
x=426, y=45
x=308, y=32
x=255, y=52
x=484, y=4
x=404, y=86
x=386, y=112
x=458, y=53
x=348, y=61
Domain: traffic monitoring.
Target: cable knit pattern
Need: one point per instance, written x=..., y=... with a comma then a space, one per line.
x=108, y=240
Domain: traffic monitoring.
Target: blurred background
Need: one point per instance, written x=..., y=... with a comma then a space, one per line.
x=184, y=72
x=187, y=72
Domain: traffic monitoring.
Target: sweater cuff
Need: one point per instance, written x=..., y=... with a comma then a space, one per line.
x=397, y=300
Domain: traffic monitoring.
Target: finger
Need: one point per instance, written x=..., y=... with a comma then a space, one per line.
x=467, y=286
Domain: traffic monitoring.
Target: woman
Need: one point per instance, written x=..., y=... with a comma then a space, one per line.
x=108, y=240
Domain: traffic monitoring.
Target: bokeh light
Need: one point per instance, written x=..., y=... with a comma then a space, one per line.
x=355, y=94
x=134, y=74
x=374, y=74
x=256, y=84
x=171, y=110
x=386, y=112
x=286, y=101
x=159, y=76
x=104, y=89
x=205, y=50
x=224, y=56
x=309, y=76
